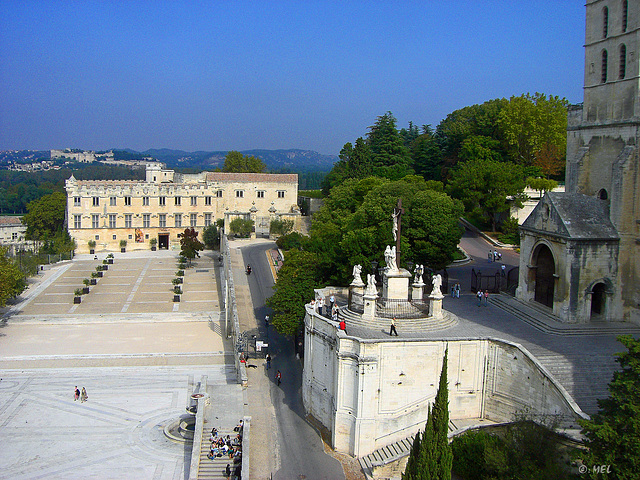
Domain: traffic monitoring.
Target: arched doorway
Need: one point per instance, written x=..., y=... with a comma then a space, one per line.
x=598, y=299
x=545, y=280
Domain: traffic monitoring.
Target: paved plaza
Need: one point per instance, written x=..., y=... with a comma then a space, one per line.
x=138, y=354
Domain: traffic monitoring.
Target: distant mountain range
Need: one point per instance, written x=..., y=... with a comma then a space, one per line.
x=293, y=160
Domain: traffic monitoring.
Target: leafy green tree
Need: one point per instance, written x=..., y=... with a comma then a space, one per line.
x=532, y=123
x=280, y=226
x=389, y=156
x=211, y=236
x=293, y=289
x=235, y=162
x=45, y=216
x=613, y=434
x=241, y=227
x=12, y=280
x=190, y=246
x=483, y=187
x=541, y=184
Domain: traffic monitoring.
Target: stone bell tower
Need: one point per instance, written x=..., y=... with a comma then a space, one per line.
x=603, y=136
x=580, y=253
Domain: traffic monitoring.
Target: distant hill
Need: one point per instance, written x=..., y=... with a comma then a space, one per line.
x=293, y=160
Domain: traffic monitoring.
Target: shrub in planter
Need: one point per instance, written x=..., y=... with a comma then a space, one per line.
x=92, y=246
x=177, y=281
x=78, y=295
x=153, y=242
x=86, y=282
x=94, y=275
x=182, y=266
x=180, y=273
x=177, y=289
x=110, y=255
x=93, y=280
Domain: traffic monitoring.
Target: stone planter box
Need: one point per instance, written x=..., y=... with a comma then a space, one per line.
x=105, y=267
x=153, y=249
x=110, y=261
x=77, y=299
x=93, y=281
x=176, y=298
x=123, y=250
x=85, y=290
x=100, y=274
x=92, y=251
x=177, y=290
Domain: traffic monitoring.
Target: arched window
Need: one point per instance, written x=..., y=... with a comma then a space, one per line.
x=625, y=12
x=605, y=22
x=623, y=62
x=603, y=77
x=603, y=195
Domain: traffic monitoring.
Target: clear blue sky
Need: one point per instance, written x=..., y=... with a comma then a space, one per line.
x=234, y=75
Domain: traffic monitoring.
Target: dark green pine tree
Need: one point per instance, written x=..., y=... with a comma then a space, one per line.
x=443, y=456
x=431, y=457
x=410, y=472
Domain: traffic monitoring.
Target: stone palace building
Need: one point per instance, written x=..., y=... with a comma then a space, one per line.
x=167, y=202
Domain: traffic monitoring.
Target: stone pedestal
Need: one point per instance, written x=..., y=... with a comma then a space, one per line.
x=356, y=292
x=396, y=285
x=417, y=291
x=369, y=305
x=435, y=305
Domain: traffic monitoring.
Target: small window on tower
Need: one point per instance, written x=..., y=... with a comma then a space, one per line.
x=603, y=76
x=605, y=22
x=623, y=62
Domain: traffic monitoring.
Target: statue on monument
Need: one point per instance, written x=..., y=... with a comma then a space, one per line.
x=357, y=279
x=390, y=259
x=436, y=281
x=418, y=272
x=371, y=285
x=394, y=228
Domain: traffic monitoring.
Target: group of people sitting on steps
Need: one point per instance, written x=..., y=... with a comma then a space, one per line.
x=223, y=446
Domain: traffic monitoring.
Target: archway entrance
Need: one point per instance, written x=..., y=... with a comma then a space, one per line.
x=545, y=281
x=597, y=300
x=163, y=241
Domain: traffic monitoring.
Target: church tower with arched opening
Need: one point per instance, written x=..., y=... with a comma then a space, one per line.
x=580, y=250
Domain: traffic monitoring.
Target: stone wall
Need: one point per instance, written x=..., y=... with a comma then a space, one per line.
x=371, y=393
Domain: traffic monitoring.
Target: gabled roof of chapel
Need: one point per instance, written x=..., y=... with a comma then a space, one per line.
x=572, y=215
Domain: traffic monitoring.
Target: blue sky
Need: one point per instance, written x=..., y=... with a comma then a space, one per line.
x=230, y=75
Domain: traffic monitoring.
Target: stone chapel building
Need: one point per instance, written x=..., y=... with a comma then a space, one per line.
x=580, y=250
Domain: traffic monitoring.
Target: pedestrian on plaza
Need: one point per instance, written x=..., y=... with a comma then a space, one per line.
x=490, y=256
x=76, y=394
x=320, y=304
x=332, y=301
x=268, y=361
x=83, y=396
x=479, y=296
x=238, y=472
x=486, y=297
x=278, y=377
x=504, y=268
x=334, y=313
x=393, y=330
x=266, y=321
x=457, y=290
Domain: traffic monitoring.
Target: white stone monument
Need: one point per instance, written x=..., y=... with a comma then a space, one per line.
x=435, y=298
x=370, y=297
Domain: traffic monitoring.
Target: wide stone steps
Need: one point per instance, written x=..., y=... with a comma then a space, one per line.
x=550, y=324
x=403, y=324
x=585, y=378
x=213, y=469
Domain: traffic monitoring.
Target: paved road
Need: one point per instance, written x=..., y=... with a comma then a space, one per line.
x=300, y=448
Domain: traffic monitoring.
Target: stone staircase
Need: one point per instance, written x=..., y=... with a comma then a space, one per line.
x=213, y=469
x=353, y=319
x=548, y=323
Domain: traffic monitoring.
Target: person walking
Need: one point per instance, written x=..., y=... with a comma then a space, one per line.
x=479, y=296
x=268, y=361
x=490, y=256
x=227, y=471
x=278, y=377
x=266, y=321
x=393, y=330
x=457, y=290
x=332, y=301
x=320, y=304
x=76, y=394
x=83, y=395
x=486, y=298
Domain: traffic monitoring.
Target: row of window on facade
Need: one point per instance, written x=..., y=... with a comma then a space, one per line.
x=622, y=66
x=146, y=220
x=162, y=201
x=605, y=18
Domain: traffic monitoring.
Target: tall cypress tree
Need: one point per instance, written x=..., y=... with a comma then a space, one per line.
x=431, y=457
